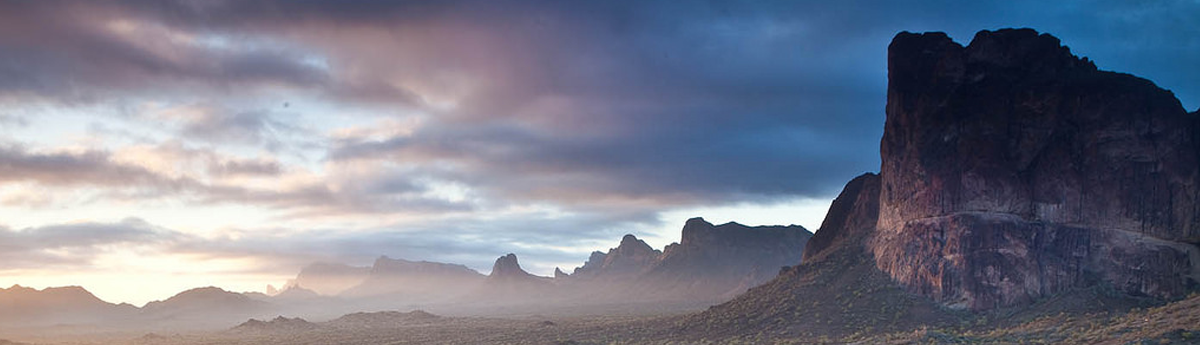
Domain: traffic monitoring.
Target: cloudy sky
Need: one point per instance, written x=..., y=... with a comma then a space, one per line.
x=147, y=147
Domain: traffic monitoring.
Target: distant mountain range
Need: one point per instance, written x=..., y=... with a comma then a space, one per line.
x=709, y=264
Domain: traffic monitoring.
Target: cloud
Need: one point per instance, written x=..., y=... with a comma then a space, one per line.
x=161, y=173
x=222, y=125
x=472, y=113
x=86, y=51
x=542, y=241
x=66, y=168
x=676, y=103
x=74, y=245
x=13, y=120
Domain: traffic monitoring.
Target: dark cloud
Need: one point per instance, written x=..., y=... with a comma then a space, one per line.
x=88, y=51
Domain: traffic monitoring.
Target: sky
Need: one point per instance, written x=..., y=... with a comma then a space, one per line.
x=148, y=147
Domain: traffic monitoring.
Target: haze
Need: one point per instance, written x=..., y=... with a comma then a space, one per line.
x=172, y=145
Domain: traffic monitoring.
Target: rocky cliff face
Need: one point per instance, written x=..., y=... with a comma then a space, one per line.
x=850, y=221
x=1012, y=169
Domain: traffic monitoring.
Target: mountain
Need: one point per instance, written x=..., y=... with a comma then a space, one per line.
x=1018, y=182
x=722, y=261
x=510, y=283
x=205, y=307
x=414, y=281
x=1013, y=169
x=711, y=262
x=23, y=306
x=630, y=258
x=835, y=291
x=328, y=279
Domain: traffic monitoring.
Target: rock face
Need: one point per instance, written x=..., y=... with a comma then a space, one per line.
x=835, y=291
x=1012, y=169
x=507, y=267
x=851, y=219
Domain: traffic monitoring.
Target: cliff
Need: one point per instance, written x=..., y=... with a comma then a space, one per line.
x=1012, y=169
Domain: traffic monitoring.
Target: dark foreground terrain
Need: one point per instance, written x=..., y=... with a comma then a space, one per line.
x=1173, y=323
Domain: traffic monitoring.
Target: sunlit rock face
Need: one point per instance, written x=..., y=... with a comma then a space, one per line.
x=1012, y=169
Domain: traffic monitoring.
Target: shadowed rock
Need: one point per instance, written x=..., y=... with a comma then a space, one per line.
x=1013, y=169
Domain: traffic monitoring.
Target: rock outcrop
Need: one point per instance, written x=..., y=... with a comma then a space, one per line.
x=1012, y=169
x=850, y=220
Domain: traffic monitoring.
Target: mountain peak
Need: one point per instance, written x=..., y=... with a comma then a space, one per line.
x=697, y=221
x=507, y=266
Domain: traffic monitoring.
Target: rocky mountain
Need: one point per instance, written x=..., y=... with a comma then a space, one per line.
x=630, y=258
x=1012, y=173
x=711, y=262
x=835, y=291
x=1013, y=169
x=593, y=262
x=508, y=282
